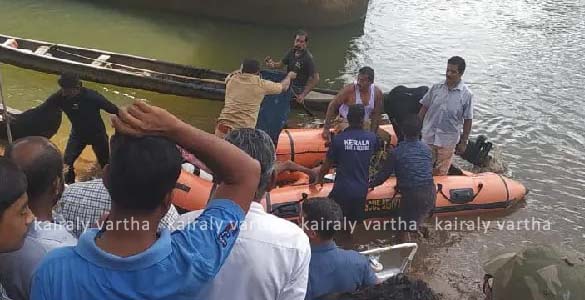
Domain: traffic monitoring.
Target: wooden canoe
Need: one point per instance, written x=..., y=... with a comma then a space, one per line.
x=127, y=70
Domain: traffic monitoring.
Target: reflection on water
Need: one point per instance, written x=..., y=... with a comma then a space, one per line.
x=525, y=66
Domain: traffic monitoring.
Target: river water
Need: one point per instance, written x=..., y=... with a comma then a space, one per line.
x=525, y=66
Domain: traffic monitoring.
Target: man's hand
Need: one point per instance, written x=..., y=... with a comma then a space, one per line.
x=140, y=119
x=326, y=135
x=269, y=62
x=313, y=174
x=301, y=98
x=460, y=149
x=292, y=75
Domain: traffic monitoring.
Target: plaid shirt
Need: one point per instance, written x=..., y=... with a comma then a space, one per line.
x=83, y=203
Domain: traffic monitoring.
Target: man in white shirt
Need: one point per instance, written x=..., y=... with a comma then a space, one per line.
x=270, y=259
x=42, y=163
x=447, y=115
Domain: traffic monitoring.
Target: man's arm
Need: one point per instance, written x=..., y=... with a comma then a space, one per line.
x=462, y=145
x=105, y=104
x=422, y=112
x=333, y=110
x=296, y=287
x=287, y=80
x=292, y=166
x=325, y=167
x=467, y=123
x=311, y=83
x=378, y=108
x=239, y=173
x=425, y=104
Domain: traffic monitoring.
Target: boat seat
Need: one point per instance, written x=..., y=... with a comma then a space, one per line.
x=101, y=60
x=42, y=50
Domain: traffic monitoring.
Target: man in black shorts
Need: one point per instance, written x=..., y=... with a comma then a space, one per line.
x=82, y=106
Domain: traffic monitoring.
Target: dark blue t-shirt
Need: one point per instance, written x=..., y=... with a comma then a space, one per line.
x=351, y=151
x=412, y=162
x=334, y=270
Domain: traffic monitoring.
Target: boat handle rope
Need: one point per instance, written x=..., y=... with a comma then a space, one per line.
x=440, y=190
x=292, y=145
x=505, y=185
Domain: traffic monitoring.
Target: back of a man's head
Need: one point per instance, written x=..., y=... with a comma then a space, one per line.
x=250, y=66
x=411, y=126
x=12, y=184
x=142, y=172
x=397, y=288
x=355, y=115
x=323, y=216
x=69, y=81
x=259, y=146
x=42, y=163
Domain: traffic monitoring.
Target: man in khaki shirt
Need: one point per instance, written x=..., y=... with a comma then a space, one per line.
x=243, y=96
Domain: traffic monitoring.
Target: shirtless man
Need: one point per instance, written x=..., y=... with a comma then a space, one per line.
x=363, y=91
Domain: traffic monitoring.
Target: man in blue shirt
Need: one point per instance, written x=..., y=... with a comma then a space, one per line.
x=332, y=270
x=351, y=152
x=128, y=258
x=412, y=162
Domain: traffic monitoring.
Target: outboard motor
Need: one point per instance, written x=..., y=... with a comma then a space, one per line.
x=402, y=101
x=477, y=152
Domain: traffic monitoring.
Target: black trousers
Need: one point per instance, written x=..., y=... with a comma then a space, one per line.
x=76, y=144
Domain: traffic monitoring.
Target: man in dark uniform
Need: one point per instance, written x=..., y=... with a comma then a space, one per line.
x=82, y=106
x=351, y=152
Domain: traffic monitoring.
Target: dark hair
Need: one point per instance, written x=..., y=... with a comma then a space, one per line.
x=12, y=184
x=459, y=62
x=398, y=287
x=69, y=81
x=368, y=72
x=355, y=115
x=142, y=171
x=258, y=145
x=42, y=166
x=325, y=214
x=250, y=66
x=302, y=32
x=411, y=126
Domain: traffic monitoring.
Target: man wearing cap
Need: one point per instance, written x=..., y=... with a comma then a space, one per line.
x=82, y=106
x=535, y=272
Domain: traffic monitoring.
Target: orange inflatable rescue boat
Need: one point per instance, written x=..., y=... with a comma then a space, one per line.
x=306, y=147
x=456, y=195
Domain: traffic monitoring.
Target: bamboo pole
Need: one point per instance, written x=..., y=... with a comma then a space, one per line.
x=5, y=112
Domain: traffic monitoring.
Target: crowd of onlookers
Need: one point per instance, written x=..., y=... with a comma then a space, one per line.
x=120, y=237
x=232, y=249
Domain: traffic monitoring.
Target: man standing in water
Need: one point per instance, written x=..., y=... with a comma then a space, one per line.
x=364, y=92
x=299, y=60
x=82, y=106
x=275, y=110
x=447, y=108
